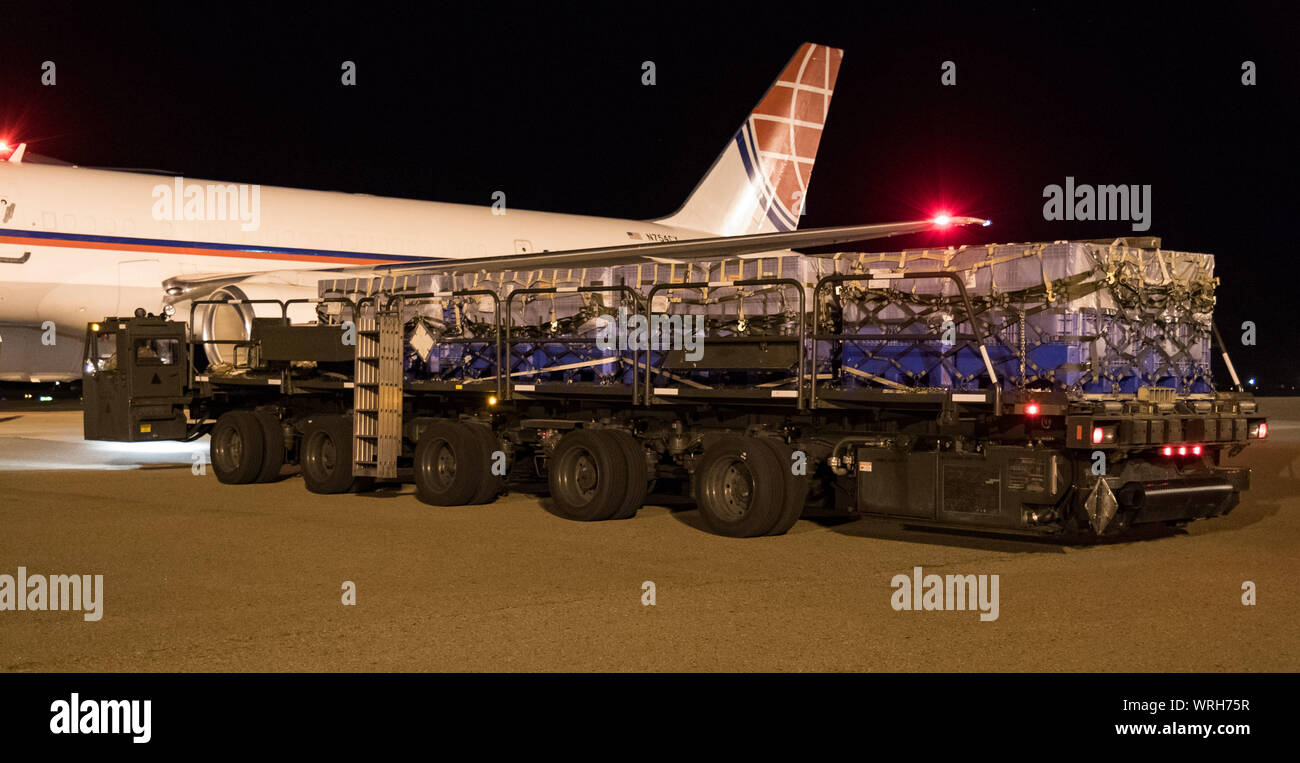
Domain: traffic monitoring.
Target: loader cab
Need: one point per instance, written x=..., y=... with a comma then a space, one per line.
x=134, y=376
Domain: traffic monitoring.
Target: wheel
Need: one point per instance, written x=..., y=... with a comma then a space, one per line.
x=588, y=475
x=272, y=446
x=327, y=454
x=492, y=483
x=236, y=447
x=796, y=487
x=451, y=464
x=740, y=487
x=638, y=476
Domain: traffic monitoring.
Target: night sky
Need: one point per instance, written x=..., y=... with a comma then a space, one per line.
x=545, y=103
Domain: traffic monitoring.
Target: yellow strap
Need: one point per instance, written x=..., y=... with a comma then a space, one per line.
x=1047, y=284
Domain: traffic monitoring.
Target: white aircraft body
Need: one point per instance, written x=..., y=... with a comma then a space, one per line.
x=78, y=244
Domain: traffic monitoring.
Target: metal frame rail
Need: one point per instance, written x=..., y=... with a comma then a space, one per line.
x=976, y=325
x=511, y=341
x=651, y=391
x=284, y=315
x=805, y=396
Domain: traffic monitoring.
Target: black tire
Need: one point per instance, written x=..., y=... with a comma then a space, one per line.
x=236, y=448
x=492, y=484
x=587, y=473
x=796, y=488
x=327, y=454
x=739, y=487
x=451, y=464
x=272, y=446
x=638, y=475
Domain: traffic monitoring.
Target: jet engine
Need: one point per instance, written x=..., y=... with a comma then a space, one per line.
x=219, y=326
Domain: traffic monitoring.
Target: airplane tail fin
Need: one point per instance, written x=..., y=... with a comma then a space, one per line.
x=760, y=180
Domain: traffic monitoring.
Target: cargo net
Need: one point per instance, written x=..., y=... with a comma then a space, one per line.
x=1085, y=318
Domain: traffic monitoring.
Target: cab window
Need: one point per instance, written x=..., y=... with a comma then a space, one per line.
x=105, y=352
x=156, y=352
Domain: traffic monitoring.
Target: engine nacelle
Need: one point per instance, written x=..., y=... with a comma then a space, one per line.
x=218, y=327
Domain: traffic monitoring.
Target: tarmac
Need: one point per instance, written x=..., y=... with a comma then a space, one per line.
x=200, y=576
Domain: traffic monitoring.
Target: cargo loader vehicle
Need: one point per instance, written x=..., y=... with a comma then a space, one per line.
x=1046, y=388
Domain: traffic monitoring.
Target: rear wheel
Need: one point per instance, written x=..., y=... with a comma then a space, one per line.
x=492, y=483
x=272, y=445
x=588, y=475
x=236, y=447
x=638, y=475
x=796, y=487
x=327, y=455
x=740, y=488
x=452, y=464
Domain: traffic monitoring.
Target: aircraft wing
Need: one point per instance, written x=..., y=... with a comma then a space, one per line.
x=667, y=251
x=197, y=286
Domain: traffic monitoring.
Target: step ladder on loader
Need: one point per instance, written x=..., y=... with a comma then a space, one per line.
x=377, y=398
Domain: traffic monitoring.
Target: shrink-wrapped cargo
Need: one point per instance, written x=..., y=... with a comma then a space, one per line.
x=1076, y=316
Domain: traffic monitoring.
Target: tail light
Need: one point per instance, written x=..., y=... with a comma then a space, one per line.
x=1259, y=430
x=1103, y=435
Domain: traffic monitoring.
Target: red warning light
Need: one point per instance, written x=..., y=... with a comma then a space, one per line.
x=1182, y=450
x=943, y=219
x=1196, y=450
x=1031, y=409
x=1169, y=451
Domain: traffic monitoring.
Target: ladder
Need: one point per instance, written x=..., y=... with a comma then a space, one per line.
x=377, y=396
